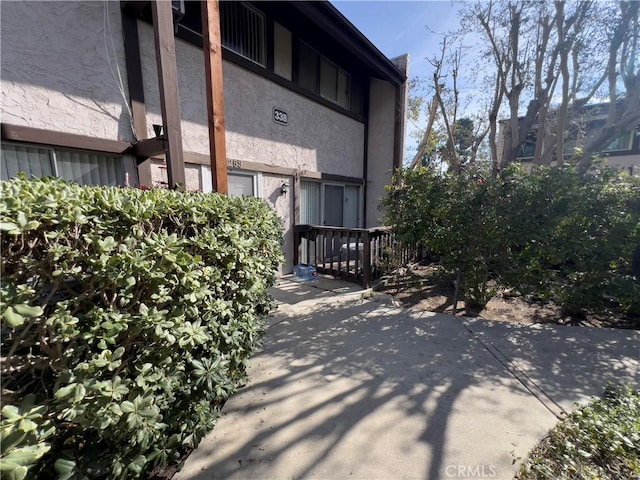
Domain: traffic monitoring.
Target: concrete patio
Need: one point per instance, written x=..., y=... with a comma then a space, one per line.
x=347, y=387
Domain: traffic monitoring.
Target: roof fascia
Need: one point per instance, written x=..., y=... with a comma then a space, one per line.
x=331, y=21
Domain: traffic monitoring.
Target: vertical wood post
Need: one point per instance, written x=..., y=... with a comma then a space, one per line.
x=168, y=83
x=212, y=47
x=297, y=240
x=136, y=89
x=366, y=259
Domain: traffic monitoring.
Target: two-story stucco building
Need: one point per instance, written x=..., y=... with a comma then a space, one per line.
x=314, y=113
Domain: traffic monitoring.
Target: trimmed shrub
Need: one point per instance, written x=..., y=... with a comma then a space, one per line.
x=598, y=440
x=555, y=234
x=127, y=320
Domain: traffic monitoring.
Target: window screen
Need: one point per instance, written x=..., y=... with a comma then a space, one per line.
x=243, y=31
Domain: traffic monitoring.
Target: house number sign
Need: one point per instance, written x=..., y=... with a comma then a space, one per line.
x=280, y=116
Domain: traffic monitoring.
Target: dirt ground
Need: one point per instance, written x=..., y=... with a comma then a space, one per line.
x=426, y=288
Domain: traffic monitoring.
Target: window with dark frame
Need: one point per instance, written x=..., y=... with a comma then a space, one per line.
x=242, y=28
x=319, y=75
x=244, y=31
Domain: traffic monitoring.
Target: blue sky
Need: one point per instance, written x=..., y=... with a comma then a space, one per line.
x=398, y=27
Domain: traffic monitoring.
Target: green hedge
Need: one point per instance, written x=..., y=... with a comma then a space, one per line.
x=554, y=234
x=600, y=440
x=127, y=319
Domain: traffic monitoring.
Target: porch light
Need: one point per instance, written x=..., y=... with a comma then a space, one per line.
x=157, y=129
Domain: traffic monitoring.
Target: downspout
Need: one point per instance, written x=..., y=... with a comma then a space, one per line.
x=365, y=159
x=400, y=112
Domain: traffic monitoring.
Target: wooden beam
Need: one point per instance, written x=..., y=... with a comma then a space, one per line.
x=212, y=47
x=134, y=75
x=136, y=89
x=149, y=147
x=168, y=83
x=19, y=133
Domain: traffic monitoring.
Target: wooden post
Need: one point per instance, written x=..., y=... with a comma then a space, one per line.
x=136, y=90
x=366, y=259
x=212, y=46
x=168, y=83
x=296, y=247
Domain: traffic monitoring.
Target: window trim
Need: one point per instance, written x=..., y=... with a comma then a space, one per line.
x=23, y=134
x=256, y=176
x=207, y=185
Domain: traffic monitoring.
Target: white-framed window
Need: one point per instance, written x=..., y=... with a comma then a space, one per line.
x=623, y=142
x=240, y=183
x=82, y=167
x=244, y=184
x=243, y=30
x=318, y=74
x=330, y=203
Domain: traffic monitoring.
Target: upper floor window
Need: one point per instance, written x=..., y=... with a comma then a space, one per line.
x=319, y=75
x=623, y=142
x=243, y=30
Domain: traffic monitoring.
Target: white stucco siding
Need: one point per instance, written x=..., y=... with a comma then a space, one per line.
x=282, y=204
x=380, y=147
x=55, y=68
x=317, y=138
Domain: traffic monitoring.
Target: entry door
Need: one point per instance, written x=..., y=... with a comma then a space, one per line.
x=333, y=205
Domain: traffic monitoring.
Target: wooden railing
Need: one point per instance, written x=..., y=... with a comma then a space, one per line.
x=362, y=255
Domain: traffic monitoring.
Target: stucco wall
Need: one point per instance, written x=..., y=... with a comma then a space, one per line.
x=316, y=139
x=56, y=71
x=283, y=205
x=382, y=99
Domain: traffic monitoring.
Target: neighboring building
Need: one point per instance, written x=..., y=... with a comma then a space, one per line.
x=314, y=112
x=623, y=153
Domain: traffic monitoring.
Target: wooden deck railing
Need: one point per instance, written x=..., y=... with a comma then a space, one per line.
x=362, y=255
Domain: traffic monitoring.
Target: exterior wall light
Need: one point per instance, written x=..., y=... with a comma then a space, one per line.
x=158, y=130
x=284, y=188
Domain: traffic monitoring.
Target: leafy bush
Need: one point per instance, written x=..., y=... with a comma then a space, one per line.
x=554, y=233
x=599, y=440
x=127, y=319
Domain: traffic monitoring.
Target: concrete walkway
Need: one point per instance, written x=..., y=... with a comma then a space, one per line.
x=349, y=388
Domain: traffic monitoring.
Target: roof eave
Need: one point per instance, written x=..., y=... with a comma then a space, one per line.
x=329, y=19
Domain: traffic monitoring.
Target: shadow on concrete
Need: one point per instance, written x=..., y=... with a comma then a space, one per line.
x=362, y=390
